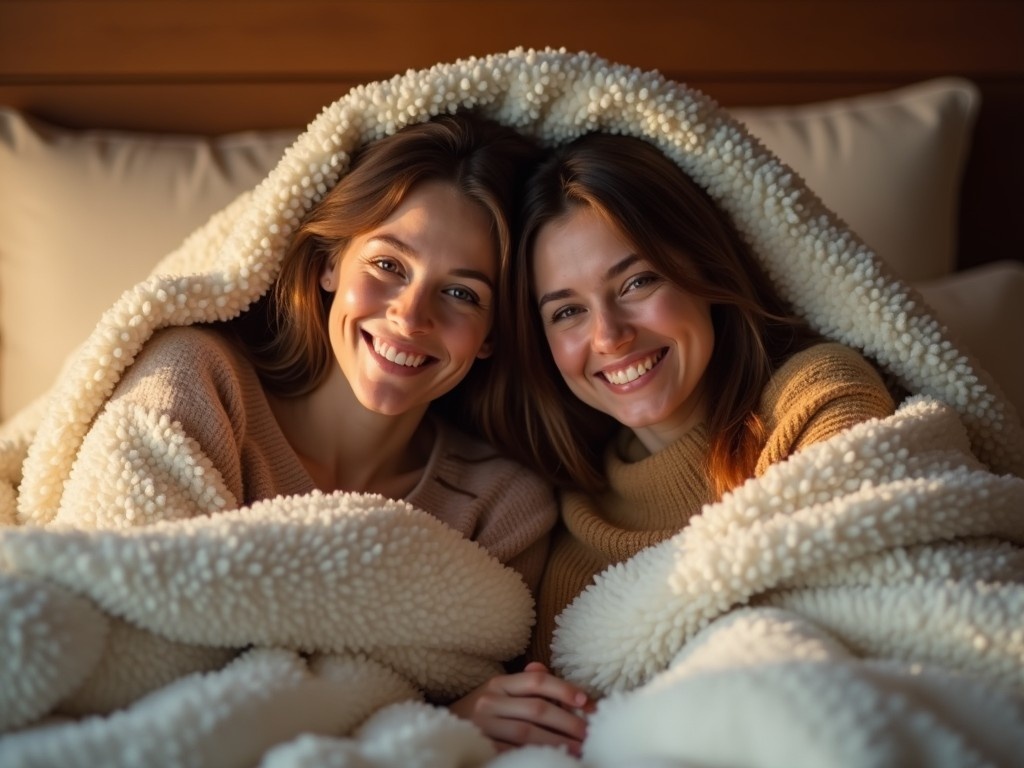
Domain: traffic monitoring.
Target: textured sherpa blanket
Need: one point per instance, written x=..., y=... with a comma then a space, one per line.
x=860, y=604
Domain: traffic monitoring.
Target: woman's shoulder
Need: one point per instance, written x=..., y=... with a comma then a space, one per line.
x=817, y=393
x=188, y=348
x=178, y=363
x=199, y=342
x=481, y=466
x=828, y=363
x=471, y=449
x=503, y=505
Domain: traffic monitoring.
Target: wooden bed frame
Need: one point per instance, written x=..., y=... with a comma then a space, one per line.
x=214, y=66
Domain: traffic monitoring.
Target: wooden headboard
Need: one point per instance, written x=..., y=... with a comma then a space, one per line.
x=213, y=66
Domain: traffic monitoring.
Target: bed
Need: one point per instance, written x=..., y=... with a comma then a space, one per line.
x=125, y=126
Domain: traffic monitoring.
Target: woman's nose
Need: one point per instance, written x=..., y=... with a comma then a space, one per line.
x=611, y=331
x=410, y=311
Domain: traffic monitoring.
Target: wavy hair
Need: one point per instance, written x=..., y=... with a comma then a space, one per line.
x=674, y=224
x=285, y=333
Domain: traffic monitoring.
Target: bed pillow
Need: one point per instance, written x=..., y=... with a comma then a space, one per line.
x=983, y=308
x=889, y=163
x=85, y=214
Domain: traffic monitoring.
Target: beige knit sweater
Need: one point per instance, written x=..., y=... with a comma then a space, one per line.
x=818, y=393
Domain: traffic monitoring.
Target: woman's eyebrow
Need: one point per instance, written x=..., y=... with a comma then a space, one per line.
x=617, y=269
x=474, y=274
x=394, y=242
x=613, y=271
x=404, y=248
x=553, y=296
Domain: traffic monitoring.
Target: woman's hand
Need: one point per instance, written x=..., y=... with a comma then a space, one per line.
x=528, y=707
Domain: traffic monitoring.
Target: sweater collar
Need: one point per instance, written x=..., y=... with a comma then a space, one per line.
x=663, y=489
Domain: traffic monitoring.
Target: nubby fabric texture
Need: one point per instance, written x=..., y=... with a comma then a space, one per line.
x=816, y=394
x=858, y=604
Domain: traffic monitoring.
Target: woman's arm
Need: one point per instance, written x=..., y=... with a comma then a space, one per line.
x=164, y=445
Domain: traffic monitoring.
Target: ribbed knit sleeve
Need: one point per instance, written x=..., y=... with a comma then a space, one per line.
x=818, y=393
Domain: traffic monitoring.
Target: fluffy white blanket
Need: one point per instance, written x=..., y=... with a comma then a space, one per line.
x=195, y=632
x=858, y=605
x=881, y=577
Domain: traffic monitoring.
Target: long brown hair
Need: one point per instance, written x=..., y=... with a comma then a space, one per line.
x=285, y=333
x=673, y=223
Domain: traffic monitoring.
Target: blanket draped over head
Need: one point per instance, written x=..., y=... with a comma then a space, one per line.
x=859, y=604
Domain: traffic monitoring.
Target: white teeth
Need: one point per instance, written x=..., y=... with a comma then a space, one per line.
x=385, y=350
x=633, y=372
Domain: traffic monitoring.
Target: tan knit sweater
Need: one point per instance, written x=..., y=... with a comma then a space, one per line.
x=198, y=378
x=816, y=394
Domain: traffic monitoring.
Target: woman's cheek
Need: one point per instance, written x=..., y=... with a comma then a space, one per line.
x=566, y=351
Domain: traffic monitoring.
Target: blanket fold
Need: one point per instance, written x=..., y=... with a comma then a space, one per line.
x=765, y=687
x=319, y=573
x=883, y=563
x=835, y=506
x=859, y=604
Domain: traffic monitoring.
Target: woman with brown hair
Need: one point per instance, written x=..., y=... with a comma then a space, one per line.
x=659, y=367
x=383, y=306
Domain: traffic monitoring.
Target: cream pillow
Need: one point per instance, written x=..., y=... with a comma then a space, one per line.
x=85, y=214
x=889, y=163
x=984, y=309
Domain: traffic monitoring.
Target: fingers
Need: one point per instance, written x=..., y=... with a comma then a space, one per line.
x=575, y=697
x=529, y=707
x=554, y=728
x=537, y=680
x=566, y=732
x=534, y=711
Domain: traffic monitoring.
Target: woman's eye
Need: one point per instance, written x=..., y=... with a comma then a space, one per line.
x=387, y=265
x=462, y=293
x=640, y=281
x=564, y=313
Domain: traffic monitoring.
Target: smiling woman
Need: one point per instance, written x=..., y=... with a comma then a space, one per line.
x=628, y=342
x=662, y=369
x=405, y=328
x=383, y=305
x=332, y=380
x=416, y=309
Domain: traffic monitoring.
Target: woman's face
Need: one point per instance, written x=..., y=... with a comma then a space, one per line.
x=627, y=341
x=413, y=304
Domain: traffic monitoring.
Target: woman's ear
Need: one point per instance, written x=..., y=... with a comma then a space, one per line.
x=327, y=277
x=486, y=350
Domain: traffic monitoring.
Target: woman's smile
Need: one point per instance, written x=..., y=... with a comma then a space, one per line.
x=635, y=372
x=395, y=358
